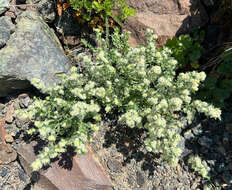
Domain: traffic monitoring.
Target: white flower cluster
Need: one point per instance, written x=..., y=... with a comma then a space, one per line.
x=176, y=104
x=198, y=166
x=80, y=109
x=131, y=118
x=209, y=110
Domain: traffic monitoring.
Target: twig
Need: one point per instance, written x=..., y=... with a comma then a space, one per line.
x=19, y=5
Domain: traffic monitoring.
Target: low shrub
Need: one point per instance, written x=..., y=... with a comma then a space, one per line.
x=139, y=84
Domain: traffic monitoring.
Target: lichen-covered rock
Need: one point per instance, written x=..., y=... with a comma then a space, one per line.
x=6, y=28
x=47, y=9
x=33, y=51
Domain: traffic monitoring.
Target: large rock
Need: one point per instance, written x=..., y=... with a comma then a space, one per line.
x=69, y=172
x=167, y=18
x=33, y=51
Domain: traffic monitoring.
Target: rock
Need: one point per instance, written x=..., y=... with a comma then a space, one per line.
x=24, y=100
x=67, y=25
x=114, y=165
x=9, y=138
x=205, y=141
x=166, y=18
x=71, y=173
x=9, y=113
x=140, y=179
x=7, y=154
x=4, y=4
x=4, y=172
x=22, y=175
x=6, y=28
x=47, y=10
x=2, y=106
x=33, y=51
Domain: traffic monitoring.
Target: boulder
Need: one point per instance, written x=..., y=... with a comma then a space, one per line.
x=166, y=18
x=33, y=51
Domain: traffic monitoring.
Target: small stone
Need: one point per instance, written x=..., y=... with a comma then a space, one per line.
x=9, y=113
x=7, y=154
x=22, y=175
x=140, y=179
x=47, y=10
x=4, y=171
x=2, y=106
x=24, y=100
x=114, y=165
x=9, y=138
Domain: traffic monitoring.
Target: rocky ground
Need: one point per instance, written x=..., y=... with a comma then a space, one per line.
x=119, y=149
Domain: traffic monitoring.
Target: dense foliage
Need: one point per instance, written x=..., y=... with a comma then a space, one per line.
x=139, y=84
x=96, y=12
x=186, y=49
x=218, y=84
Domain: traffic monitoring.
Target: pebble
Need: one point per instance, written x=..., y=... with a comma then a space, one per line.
x=4, y=171
x=140, y=179
x=2, y=106
x=22, y=175
x=114, y=165
x=9, y=138
x=24, y=100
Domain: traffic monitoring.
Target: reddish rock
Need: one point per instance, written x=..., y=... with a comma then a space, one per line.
x=7, y=154
x=83, y=172
x=166, y=18
x=9, y=114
